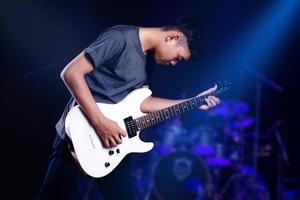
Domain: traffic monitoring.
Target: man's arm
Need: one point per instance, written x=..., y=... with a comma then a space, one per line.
x=73, y=77
x=152, y=104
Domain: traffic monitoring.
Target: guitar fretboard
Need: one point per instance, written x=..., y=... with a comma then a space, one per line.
x=162, y=115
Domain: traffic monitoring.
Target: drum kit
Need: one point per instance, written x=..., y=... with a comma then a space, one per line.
x=210, y=161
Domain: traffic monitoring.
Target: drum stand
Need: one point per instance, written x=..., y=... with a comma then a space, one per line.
x=282, y=158
x=259, y=78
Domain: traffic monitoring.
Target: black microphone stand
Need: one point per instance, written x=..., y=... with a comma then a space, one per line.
x=260, y=78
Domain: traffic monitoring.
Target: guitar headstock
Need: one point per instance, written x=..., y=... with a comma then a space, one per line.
x=223, y=86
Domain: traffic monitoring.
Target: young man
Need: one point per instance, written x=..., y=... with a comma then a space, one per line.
x=106, y=71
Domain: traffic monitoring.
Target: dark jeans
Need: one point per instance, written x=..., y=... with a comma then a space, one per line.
x=64, y=179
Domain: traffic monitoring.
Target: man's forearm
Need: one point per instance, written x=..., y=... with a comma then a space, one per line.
x=73, y=77
x=80, y=91
x=152, y=104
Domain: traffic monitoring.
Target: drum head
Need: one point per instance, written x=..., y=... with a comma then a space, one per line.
x=181, y=175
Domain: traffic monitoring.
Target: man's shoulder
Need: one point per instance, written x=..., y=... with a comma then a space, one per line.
x=112, y=33
x=120, y=29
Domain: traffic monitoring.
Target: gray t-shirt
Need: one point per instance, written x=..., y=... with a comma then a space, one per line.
x=119, y=67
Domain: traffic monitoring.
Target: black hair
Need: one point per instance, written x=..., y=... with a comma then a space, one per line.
x=192, y=30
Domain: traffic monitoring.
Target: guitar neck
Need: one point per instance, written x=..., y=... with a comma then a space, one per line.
x=162, y=115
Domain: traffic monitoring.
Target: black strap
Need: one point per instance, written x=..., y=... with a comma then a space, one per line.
x=69, y=143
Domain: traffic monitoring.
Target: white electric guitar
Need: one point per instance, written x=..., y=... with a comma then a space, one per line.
x=98, y=161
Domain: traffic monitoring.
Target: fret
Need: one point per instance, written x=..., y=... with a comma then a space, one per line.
x=139, y=123
x=177, y=109
x=173, y=111
x=170, y=112
x=191, y=104
x=155, y=118
x=203, y=100
x=158, y=117
x=163, y=114
x=186, y=105
x=181, y=108
x=148, y=121
x=143, y=122
x=198, y=102
x=167, y=113
x=152, y=118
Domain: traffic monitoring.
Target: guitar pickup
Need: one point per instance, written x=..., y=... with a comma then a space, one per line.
x=131, y=127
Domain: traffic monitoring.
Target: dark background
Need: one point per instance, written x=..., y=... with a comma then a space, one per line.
x=38, y=38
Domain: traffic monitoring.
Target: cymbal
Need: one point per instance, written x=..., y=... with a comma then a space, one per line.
x=261, y=136
x=229, y=109
x=242, y=123
x=218, y=162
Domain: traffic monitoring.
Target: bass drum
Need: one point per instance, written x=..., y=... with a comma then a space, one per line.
x=181, y=175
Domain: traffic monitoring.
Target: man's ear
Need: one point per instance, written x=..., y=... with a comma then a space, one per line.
x=172, y=37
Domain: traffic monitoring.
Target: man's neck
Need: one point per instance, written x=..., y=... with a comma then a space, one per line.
x=149, y=38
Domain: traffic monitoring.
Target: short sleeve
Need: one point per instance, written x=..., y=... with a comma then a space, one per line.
x=109, y=44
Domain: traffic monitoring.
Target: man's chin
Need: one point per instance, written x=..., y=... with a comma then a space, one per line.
x=160, y=62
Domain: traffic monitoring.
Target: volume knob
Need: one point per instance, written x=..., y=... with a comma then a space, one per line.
x=107, y=164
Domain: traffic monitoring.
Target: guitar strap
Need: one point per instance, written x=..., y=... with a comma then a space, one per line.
x=73, y=103
x=69, y=143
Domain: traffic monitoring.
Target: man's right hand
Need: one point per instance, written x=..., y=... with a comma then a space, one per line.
x=109, y=132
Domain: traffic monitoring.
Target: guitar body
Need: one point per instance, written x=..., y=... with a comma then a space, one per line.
x=93, y=158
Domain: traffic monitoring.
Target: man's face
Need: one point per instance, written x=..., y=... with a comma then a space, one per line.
x=172, y=49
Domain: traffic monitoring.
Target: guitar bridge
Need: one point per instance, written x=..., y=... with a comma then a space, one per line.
x=131, y=127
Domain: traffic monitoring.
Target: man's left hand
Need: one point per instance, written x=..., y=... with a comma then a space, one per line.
x=211, y=101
